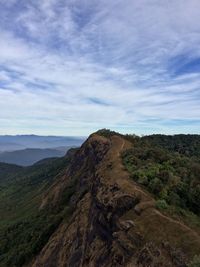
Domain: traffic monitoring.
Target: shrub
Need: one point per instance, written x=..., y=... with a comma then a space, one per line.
x=163, y=194
x=174, y=199
x=155, y=185
x=161, y=204
x=143, y=180
x=195, y=262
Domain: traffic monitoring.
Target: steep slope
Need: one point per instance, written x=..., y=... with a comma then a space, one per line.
x=113, y=220
x=24, y=230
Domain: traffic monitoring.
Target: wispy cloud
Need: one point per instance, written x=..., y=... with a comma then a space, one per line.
x=71, y=67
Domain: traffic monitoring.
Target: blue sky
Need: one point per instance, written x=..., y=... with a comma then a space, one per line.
x=72, y=67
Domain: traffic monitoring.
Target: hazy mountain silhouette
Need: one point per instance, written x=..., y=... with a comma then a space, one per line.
x=19, y=142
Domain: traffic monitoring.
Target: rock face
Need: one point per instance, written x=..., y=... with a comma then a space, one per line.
x=114, y=221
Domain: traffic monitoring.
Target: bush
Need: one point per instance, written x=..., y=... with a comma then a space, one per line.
x=161, y=204
x=195, y=199
x=174, y=199
x=195, y=262
x=155, y=185
x=163, y=194
x=143, y=180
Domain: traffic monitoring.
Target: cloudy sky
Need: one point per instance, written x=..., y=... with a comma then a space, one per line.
x=71, y=67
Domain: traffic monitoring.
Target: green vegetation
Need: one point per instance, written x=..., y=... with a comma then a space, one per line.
x=107, y=133
x=7, y=171
x=195, y=262
x=23, y=228
x=188, y=145
x=22, y=240
x=161, y=204
x=171, y=176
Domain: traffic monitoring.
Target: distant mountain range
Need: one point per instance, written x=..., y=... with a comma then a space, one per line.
x=29, y=156
x=25, y=150
x=20, y=142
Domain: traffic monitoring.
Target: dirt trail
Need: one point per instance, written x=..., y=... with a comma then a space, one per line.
x=120, y=145
x=177, y=222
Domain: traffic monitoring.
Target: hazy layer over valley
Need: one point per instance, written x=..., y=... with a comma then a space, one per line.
x=26, y=150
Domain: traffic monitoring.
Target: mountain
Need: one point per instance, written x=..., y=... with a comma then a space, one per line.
x=30, y=156
x=116, y=201
x=19, y=142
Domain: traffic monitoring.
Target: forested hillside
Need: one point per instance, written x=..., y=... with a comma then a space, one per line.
x=169, y=168
x=188, y=145
x=24, y=229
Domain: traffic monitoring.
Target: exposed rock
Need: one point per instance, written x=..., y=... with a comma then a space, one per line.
x=126, y=225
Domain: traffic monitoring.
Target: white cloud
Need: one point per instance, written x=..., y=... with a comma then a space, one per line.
x=57, y=57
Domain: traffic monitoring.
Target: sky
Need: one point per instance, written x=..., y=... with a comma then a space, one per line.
x=75, y=66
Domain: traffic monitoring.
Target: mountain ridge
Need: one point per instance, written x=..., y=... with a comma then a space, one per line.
x=91, y=210
x=114, y=219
